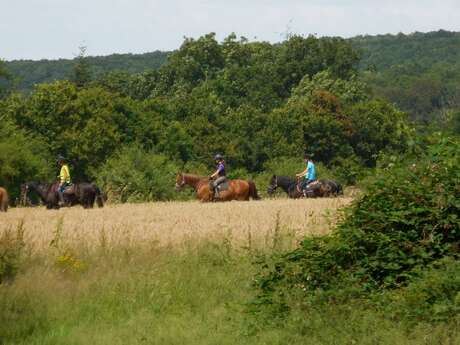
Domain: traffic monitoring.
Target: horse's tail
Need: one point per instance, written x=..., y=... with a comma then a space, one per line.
x=339, y=189
x=3, y=200
x=253, y=191
x=99, y=196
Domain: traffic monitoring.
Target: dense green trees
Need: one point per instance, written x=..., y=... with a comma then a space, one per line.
x=253, y=101
x=22, y=157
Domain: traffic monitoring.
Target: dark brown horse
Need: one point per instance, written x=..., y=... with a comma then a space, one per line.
x=84, y=194
x=319, y=188
x=237, y=189
x=3, y=200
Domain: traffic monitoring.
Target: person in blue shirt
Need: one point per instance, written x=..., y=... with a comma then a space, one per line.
x=219, y=176
x=309, y=173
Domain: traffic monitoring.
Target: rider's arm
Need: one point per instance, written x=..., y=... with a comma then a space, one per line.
x=215, y=173
x=220, y=167
x=303, y=173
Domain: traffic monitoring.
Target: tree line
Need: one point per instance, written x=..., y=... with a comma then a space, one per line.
x=260, y=104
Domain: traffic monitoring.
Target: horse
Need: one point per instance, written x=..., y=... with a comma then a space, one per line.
x=237, y=189
x=83, y=193
x=3, y=200
x=320, y=188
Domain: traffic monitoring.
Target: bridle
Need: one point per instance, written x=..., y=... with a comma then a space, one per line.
x=182, y=183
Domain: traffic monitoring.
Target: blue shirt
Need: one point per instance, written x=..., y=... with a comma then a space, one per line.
x=311, y=174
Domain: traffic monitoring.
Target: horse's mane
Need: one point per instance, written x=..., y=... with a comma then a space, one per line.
x=194, y=176
x=286, y=179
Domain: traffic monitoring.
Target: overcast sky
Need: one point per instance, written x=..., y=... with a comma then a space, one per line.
x=36, y=29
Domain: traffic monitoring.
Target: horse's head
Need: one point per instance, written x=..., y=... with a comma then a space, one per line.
x=273, y=184
x=25, y=188
x=180, y=181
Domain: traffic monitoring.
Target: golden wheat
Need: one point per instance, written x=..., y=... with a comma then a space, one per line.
x=176, y=223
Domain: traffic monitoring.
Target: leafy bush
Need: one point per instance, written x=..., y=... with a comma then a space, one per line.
x=134, y=175
x=22, y=157
x=433, y=295
x=407, y=219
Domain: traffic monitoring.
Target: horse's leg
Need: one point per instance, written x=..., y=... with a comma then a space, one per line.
x=203, y=194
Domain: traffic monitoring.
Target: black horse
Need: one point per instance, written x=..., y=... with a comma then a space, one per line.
x=84, y=194
x=320, y=188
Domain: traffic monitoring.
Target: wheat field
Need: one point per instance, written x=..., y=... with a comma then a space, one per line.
x=176, y=223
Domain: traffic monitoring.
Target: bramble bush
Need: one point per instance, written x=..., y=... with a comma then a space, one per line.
x=407, y=219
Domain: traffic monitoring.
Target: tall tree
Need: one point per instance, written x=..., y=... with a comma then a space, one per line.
x=81, y=74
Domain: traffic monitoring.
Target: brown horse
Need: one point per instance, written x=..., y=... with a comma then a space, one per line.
x=3, y=200
x=237, y=189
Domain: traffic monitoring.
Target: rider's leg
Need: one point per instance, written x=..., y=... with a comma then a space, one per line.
x=61, y=195
x=217, y=182
x=303, y=187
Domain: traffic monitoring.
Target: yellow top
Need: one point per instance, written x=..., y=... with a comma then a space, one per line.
x=64, y=175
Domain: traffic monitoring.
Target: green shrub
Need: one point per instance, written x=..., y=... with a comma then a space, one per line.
x=134, y=175
x=407, y=219
x=433, y=295
x=22, y=157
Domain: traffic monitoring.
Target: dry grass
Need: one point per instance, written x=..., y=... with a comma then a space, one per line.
x=176, y=223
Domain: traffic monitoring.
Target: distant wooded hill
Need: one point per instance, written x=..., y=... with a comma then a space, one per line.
x=29, y=72
x=422, y=49
x=420, y=72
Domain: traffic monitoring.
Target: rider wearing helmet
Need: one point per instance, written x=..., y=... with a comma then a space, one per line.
x=309, y=173
x=64, y=178
x=219, y=176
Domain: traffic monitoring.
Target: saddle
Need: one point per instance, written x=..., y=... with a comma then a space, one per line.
x=221, y=188
x=309, y=188
x=70, y=189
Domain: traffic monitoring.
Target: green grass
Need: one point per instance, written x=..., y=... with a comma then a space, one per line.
x=200, y=295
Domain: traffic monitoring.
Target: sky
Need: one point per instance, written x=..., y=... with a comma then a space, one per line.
x=51, y=29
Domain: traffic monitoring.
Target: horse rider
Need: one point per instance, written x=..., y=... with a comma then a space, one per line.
x=219, y=176
x=64, y=178
x=309, y=173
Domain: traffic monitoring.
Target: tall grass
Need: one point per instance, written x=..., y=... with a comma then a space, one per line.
x=105, y=281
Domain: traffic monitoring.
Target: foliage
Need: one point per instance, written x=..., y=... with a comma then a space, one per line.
x=255, y=102
x=85, y=125
x=133, y=175
x=21, y=157
x=408, y=218
x=349, y=91
x=432, y=296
